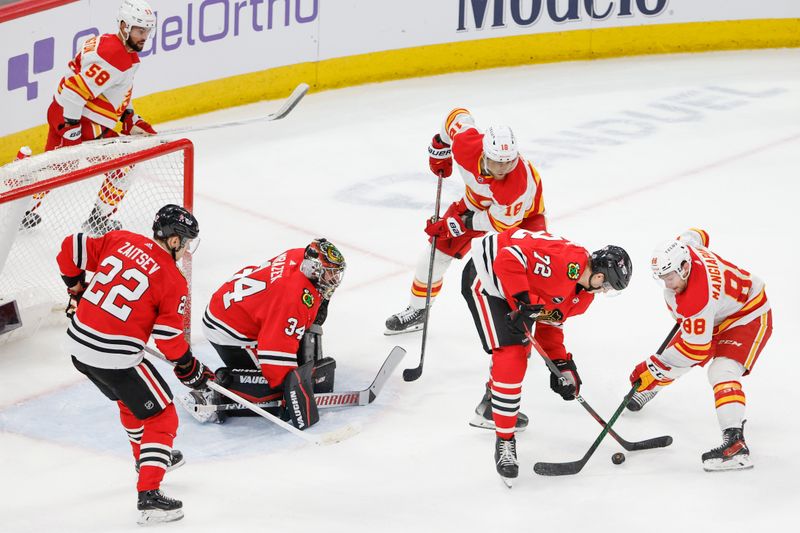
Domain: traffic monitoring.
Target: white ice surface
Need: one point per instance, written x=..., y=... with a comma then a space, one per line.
x=631, y=151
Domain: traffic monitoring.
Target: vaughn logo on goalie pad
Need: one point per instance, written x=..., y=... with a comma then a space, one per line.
x=298, y=414
x=255, y=380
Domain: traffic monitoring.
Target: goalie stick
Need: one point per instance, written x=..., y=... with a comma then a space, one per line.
x=327, y=400
x=288, y=104
x=573, y=467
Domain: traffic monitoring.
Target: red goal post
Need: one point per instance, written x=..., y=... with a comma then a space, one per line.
x=152, y=172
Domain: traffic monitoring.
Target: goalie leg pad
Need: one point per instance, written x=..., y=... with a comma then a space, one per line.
x=248, y=383
x=323, y=374
x=300, y=406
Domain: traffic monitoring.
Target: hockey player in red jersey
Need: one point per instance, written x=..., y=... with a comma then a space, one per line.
x=136, y=293
x=521, y=282
x=725, y=322
x=95, y=94
x=501, y=190
x=260, y=320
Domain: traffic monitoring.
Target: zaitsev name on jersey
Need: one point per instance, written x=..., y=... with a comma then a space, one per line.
x=498, y=204
x=265, y=309
x=136, y=288
x=99, y=81
x=718, y=297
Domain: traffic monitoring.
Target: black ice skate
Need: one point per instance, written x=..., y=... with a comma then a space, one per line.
x=405, y=321
x=176, y=461
x=98, y=224
x=639, y=399
x=733, y=454
x=505, y=458
x=156, y=508
x=483, y=415
x=30, y=220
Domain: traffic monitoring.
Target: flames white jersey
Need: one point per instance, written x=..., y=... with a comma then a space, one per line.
x=719, y=296
x=99, y=81
x=498, y=204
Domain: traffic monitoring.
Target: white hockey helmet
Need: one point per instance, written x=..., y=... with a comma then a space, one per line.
x=670, y=257
x=499, y=144
x=136, y=13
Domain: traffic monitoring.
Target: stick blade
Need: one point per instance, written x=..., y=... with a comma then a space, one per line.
x=649, y=444
x=558, y=469
x=290, y=103
x=412, y=374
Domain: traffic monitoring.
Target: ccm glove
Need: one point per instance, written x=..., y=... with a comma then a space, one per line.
x=570, y=386
x=520, y=321
x=70, y=132
x=133, y=124
x=440, y=157
x=650, y=373
x=192, y=372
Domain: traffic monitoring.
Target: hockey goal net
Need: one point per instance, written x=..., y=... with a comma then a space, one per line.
x=66, y=183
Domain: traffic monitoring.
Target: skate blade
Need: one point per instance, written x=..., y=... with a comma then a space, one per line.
x=175, y=466
x=159, y=516
x=482, y=423
x=507, y=481
x=720, y=465
x=188, y=402
x=390, y=332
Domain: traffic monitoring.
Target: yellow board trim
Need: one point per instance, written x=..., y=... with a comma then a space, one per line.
x=443, y=58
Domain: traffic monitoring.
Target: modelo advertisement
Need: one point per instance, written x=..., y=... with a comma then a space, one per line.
x=197, y=41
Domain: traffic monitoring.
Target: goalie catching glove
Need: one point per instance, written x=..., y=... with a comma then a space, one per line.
x=192, y=372
x=133, y=124
x=520, y=321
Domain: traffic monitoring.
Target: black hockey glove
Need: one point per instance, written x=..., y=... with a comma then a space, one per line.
x=192, y=372
x=521, y=320
x=76, y=286
x=570, y=386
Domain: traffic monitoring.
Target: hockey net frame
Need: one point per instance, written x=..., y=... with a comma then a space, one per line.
x=139, y=151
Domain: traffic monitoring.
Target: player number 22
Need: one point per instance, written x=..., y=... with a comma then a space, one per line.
x=94, y=295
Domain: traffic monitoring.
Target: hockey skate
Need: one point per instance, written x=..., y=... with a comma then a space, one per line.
x=732, y=454
x=99, y=224
x=483, y=415
x=157, y=508
x=405, y=321
x=639, y=399
x=30, y=220
x=198, y=398
x=176, y=461
x=505, y=459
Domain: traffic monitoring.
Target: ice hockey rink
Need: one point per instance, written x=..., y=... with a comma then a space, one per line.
x=631, y=151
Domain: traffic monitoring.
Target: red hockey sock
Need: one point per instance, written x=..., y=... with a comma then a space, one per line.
x=133, y=426
x=508, y=369
x=156, y=448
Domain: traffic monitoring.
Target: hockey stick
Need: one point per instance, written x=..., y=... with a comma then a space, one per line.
x=327, y=400
x=329, y=438
x=412, y=374
x=289, y=104
x=655, y=442
x=573, y=467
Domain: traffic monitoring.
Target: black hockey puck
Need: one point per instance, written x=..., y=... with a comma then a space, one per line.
x=618, y=458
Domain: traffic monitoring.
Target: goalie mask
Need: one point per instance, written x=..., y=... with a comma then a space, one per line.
x=324, y=265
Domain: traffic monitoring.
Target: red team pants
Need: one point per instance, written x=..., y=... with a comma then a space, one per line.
x=89, y=130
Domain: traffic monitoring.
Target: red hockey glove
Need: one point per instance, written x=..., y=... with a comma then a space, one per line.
x=520, y=321
x=446, y=227
x=650, y=373
x=440, y=157
x=70, y=132
x=133, y=124
x=572, y=387
x=192, y=372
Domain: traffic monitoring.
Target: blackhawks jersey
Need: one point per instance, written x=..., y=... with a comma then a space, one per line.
x=99, y=81
x=136, y=292
x=545, y=266
x=498, y=204
x=718, y=296
x=267, y=307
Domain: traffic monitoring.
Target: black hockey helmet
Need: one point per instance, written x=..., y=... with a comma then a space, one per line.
x=615, y=264
x=174, y=220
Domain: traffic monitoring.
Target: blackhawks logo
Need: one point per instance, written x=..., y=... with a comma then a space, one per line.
x=573, y=271
x=308, y=298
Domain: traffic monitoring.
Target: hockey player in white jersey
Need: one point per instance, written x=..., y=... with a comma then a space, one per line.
x=725, y=323
x=94, y=94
